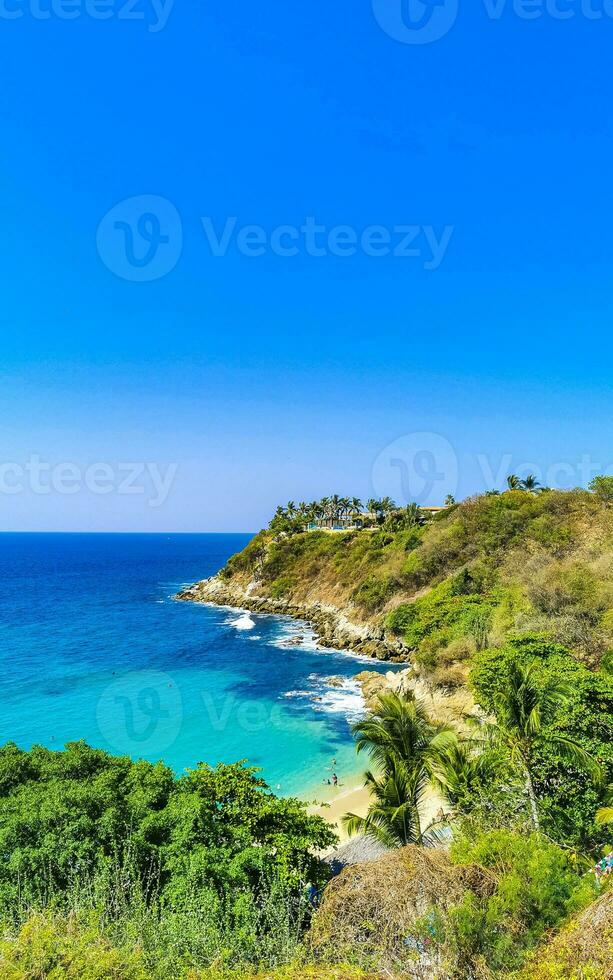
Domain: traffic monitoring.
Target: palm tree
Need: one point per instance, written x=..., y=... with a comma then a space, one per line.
x=513, y=482
x=394, y=816
x=406, y=748
x=388, y=505
x=401, y=730
x=459, y=770
x=324, y=505
x=413, y=515
x=356, y=506
x=449, y=500
x=524, y=711
x=345, y=506
x=530, y=483
x=605, y=814
x=336, y=507
x=373, y=507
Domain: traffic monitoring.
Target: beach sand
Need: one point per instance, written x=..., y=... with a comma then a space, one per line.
x=353, y=797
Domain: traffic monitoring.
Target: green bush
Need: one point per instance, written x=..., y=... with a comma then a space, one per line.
x=538, y=885
x=52, y=946
x=282, y=587
x=374, y=593
x=602, y=486
x=568, y=798
x=73, y=815
x=451, y=611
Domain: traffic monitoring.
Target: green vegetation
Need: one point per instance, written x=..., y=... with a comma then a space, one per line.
x=537, y=887
x=481, y=571
x=207, y=869
x=405, y=747
x=117, y=869
x=508, y=596
x=568, y=796
x=495, y=786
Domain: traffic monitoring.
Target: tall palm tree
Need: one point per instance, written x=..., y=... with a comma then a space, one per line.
x=373, y=507
x=356, y=505
x=524, y=710
x=388, y=505
x=406, y=748
x=324, y=505
x=336, y=507
x=530, y=483
x=513, y=482
x=401, y=730
x=394, y=816
x=345, y=506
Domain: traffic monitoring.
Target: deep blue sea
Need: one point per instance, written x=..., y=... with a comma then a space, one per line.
x=92, y=646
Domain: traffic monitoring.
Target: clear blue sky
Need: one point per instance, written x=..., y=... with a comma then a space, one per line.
x=261, y=379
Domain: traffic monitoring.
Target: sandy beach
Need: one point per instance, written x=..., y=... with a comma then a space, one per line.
x=353, y=797
x=349, y=797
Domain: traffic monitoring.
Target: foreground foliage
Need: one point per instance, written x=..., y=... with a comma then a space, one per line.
x=209, y=867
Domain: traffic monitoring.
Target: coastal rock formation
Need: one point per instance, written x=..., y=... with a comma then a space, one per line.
x=447, y=707
x=332, y=625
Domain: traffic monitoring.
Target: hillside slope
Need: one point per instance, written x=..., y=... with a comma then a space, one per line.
x=490, y=567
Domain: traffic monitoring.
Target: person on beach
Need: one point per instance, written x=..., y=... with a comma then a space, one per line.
x=334, y=779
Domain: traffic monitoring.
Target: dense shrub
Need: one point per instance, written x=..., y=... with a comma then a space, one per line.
x=66, y=816
x=568, y=798
x=537, y=886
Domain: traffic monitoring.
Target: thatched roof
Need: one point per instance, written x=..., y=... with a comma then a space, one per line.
x=359, y=850
x=374, y=906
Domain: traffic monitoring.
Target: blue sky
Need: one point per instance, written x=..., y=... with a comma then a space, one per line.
x=241, y=380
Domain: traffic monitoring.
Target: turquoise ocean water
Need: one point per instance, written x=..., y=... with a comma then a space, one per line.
x=92, y=646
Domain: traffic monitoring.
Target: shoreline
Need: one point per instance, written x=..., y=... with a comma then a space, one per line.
x=354, y=797
x=331, y=625
x=351, y=796
x=338, y=635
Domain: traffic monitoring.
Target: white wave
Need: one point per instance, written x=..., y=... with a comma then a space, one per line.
x=346, y=700
x=243, y=622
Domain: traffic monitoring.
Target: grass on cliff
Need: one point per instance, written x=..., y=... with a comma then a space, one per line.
x=490, y=567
